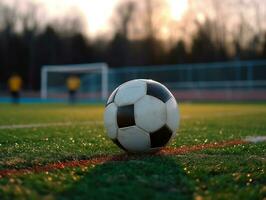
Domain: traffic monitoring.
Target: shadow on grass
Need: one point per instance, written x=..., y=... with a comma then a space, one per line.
x=153, y=177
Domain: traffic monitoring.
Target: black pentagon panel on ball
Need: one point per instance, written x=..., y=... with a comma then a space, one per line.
x=112, y=97
x=157, y=90
x=161, y=137
x=125, y=116
x=116, y=141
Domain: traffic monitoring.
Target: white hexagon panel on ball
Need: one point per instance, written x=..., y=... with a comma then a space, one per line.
x=134, y=139
x=130, y=92
x=150, y=113
x=172, y=119
x=110, y=121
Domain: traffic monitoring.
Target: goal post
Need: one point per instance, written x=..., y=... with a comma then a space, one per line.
x=91, y=68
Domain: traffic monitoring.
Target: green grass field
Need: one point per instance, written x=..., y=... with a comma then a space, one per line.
x=60, y=133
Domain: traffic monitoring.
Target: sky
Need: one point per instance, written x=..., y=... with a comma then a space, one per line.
x=97, y=13
x=179, y=20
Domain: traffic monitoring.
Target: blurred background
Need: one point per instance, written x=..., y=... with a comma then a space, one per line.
x=200, y=49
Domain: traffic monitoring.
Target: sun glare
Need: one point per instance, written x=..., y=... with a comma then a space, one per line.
x=177, y=8
x=97, y=13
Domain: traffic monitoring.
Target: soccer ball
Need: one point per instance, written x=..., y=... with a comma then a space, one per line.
x=141, y=116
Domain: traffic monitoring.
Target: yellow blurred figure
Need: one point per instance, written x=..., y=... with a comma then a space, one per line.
x=73, y=84
x=15, y=85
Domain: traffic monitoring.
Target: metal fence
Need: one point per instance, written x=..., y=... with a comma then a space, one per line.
x=238, y=80
x=222, y=75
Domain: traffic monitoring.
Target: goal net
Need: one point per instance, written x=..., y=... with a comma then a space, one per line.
x=93, y=81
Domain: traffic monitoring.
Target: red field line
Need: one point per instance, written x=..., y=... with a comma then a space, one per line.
x=121, y=157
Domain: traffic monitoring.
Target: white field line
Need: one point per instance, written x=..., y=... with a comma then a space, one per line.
x=222, y=114
x=255, y=139
x=43, y=125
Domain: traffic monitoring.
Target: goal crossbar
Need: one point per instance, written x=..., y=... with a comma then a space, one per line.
x=76, y=68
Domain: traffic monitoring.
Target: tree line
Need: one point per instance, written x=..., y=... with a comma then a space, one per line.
x=25, y=46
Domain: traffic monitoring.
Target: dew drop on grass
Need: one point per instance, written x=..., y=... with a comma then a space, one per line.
x=11, y=180
x=84, y=169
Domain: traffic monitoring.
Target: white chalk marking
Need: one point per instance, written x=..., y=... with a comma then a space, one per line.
x=255, y=139
x=221, y=114
x=43, y=125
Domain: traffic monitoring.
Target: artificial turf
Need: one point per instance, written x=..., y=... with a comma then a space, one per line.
x=76, y=132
